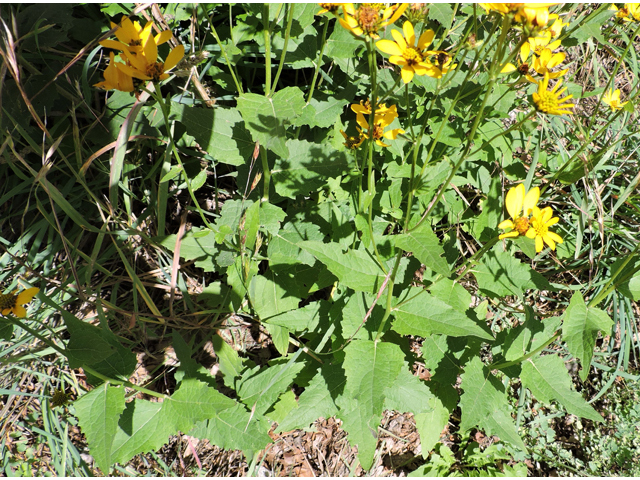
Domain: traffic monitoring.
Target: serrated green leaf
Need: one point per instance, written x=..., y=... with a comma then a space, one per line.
x=529, y=336
x=306, y=167
x=219, y=131
x=354, y=268
x=98, y=412
x=142, y=428
x=302, y=319
x=267, y=118
x=229, y=361
x=580, y=329
x=324, y=110
x=270, y=217
x=425, y=315
x=260, y=387
x=235, y=429
x=192, y=402
x=484, y=404
x=500, y=274
x=370, y=368
x=269, y=298
x=408, y=394
x=317, y=400
x=451, y=293
x=425, y=246
x=283, y=407
x=548, y=380
x=283, y=248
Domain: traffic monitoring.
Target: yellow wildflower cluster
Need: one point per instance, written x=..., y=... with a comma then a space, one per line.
x=414, y=58
x=13, y=302
x=383, y=117
x=529, y=220
x=628, y=13
x=139, y=52
x=612, y=99
x=531, y=15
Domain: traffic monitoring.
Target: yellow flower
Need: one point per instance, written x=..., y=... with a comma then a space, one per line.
x=411, y=57
x=146, y=66
x=612, y=99
x=534, y=14
x=540, y=222
x=12, y=303
x=329, y=7
x=350, y=142
x=368, y=18
x=519, y=207
x=115, y=78
x=549, y=101
x=383, y=117
x=555, y=29
x=548, y=60
x=132, y=37
x=630, y=12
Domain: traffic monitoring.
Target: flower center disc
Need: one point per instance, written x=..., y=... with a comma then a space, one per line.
x=368, y=19
x=412, y=56
x=522, y=225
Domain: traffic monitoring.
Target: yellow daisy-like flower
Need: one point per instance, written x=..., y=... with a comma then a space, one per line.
x=12, y=303
x=132, y=37
x=547, y=61
x=115, y=78
x=519, y=205
x=146, y=66
x=540, y=222
x=612, y=99
x=368, y=18
x=383, y=117
x=549, y=101
x=352, y=143
x=411, y=57
x=329, y=7
x=534, y=14
x=628, y=13
x=555, y=29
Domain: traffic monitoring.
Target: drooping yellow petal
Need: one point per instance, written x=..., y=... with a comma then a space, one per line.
x=407, y=74
x=389, y=47
x=163, y=37
x=507, y=224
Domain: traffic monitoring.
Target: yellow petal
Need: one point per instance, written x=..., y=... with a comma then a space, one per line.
x=508, y=68
x=539, y=244
x=530, y=200
x=409, y=33
x=512, y=234
x=113, y=44
x=151, y=50
x=389, y=47
x=407, y=74
x=531, y=233
x=506, y=224
x=27, y=295
x=425, y=39
x=549, y=241
x=514, y=200
x=174, y=57
x=163, y=37
x=555, y=237
x=397, y=36
x=19, y=311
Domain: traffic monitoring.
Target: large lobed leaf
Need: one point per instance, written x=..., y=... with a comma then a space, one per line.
x=580, y=328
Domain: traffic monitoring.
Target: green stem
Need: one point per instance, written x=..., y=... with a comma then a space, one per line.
x=267, y=48
x=165, y=113
x=291, y=7
x=323, y=43
x=124, y=383
x=266, y=173
x=35, y=334
x=226, y=58
x=517, y=361
x=610, y=286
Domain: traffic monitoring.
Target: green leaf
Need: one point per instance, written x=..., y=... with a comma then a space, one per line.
x=548, y=379
x=219, y=131
x=317, y=400
x=580, y=330
x=324, y=110
x=302, y=319
x=143, y=427
x=529, y=336
x=229, y=361
x=425, y=247
x=500, y=274
x=370, y=368
x=269, y=298
x=197, y=244
x=425, y=315
x=192, y=402
x=267, y=118
x=484, y=404
x=306, y=167
x=354, y=268
x=283, y=407
x=98, y=412
x=260, y=387
x=283, y=248
x=235, y=429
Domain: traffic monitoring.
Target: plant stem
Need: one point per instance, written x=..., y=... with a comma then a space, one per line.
x=226, y=58
x=267, y=48
x=291, y=7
